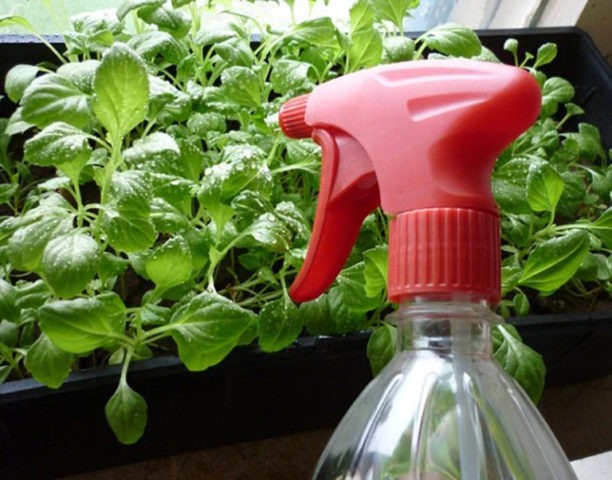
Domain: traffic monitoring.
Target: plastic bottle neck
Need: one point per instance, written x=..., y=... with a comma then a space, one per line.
x=451, y=325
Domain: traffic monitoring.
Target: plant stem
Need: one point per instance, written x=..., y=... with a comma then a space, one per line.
x=14, y=364
x=81, y=212
x=158, y=333
x=261, y=299
x=129, y=352
x=111, y=166
x=303, y=166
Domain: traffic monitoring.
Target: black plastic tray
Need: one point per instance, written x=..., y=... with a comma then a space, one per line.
x=49, y=433
x=250, y=395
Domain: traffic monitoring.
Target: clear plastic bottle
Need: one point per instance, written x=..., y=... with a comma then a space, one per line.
x=443, y=409
x=422, y=144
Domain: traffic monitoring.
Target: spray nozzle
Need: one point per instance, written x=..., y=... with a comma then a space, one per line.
x=419, y=139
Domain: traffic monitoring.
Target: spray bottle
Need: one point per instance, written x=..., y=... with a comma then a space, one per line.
x=420, y=140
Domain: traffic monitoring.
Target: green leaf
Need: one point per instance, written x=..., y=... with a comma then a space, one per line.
x=344, y=319
x=191, y=161
x=216, y=28
x=131, y=190
x=111, y=266
x=82, y=74
x=365, y=50
x=278, y=325
x=293, y=218
x=574, y=193
x=594, y=268
x=602, y=227
x=221, y=215
x=544, y=187
x=48, y=364
x=361, y=16
x=515, y=229
x=199, y=244
x=511, y=45
x=169, y=264
x=554, y=262
x=546, y=54
x=316, y=316
x=156, y=152
x=302, y=151
x=554, y=91
x=16, y=125
x=290, y=76
x=557, y=89
x=268, y=230
x=241, y=85
x=381, y=347
x=60, y=145
x=510, y=188
x=70, y=262
x=5, y=139
x=452, y=39
x=238, y=167
x=167, y=19
x=236, y=51
x=8, y=302
x=31, y=294
x=394, y=10
x=151, y=45
x=127, y=6
x=180, y=3
x=175, y=190
x=589, y=143
x=167, y=218
x=365, y=42
x=5, y=371
x=26, y=245
x=84, y=324
x=7, y=190
x=351, y=285
x=121, y=91
x=602, y=182
x=17, y=79
x=572, y=109
x=91, y=32
x=398, y=49
x=525, y=365
x=375, y=270
x=16, y=20
x=128, y=230
x=9, y=333
x=154, y=315
x=207, y=328
x=54, y=98
x=126, y=413
x=201, y=124
x=520, y=302
x=320, y=32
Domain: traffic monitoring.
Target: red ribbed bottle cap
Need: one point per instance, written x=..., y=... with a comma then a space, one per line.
x=291, y=118
x=442, y=251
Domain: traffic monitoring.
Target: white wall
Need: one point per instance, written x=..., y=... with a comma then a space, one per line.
x=593, y=16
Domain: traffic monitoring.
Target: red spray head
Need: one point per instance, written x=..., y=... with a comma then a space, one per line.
x=419, y=139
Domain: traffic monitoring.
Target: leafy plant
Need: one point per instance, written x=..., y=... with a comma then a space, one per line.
x=554, y=190
x=157, y=205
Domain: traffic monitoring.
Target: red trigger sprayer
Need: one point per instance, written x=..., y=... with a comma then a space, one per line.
x=420, y=140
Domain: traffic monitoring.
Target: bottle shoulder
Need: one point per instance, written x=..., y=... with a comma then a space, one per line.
x=428, y=414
